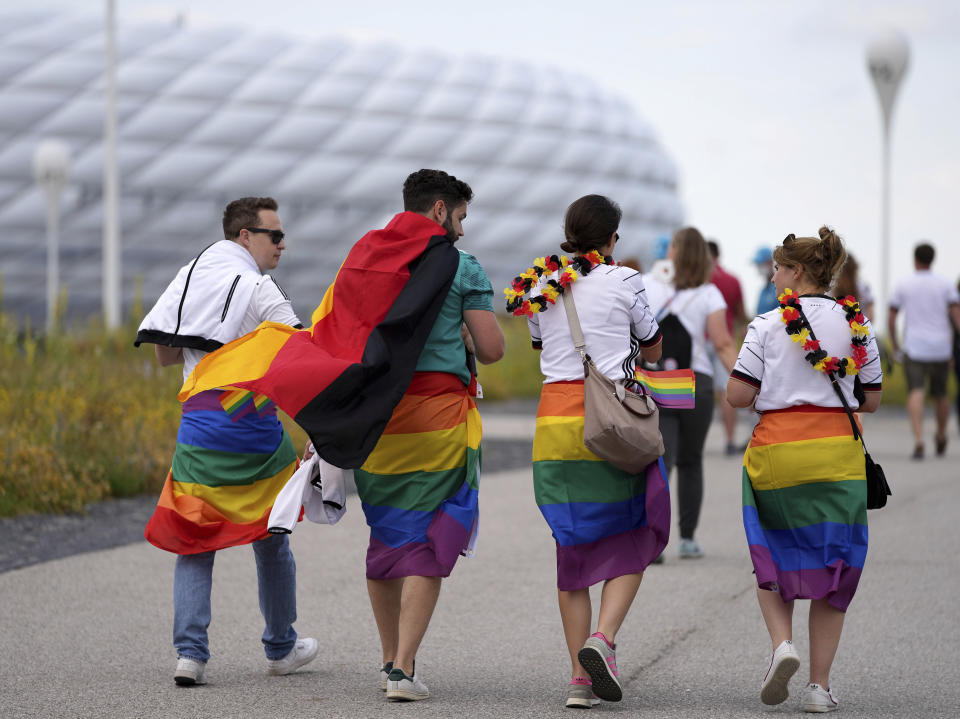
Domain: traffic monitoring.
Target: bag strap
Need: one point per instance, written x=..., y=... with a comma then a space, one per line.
x=573, y=319
x=857, y=434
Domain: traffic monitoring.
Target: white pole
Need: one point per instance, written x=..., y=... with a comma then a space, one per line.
x=887, y=57
x=50, y=161
x=111, y=218
x=53, y=257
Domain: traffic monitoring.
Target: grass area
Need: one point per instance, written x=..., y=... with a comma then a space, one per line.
x=84, y=415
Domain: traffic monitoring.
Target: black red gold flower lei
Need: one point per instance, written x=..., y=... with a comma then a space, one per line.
x=799, y=332
x=567, y=272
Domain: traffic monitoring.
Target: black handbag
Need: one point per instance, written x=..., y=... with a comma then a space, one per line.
x=877, y=488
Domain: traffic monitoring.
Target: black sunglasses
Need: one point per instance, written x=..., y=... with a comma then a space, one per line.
x=276, y=236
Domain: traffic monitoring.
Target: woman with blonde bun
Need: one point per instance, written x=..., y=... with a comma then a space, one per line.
x=804, y=484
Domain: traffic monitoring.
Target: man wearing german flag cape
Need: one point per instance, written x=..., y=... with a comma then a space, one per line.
x=382, y=383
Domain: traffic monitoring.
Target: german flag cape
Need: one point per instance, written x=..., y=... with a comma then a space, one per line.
x=341, y=378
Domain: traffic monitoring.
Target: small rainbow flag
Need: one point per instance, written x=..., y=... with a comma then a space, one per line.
x=671, y=389
x=234, y=400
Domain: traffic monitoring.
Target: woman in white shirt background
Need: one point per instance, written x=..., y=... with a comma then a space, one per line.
x=700, y=308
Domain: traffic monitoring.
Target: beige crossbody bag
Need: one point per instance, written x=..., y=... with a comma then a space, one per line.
x=619, y=425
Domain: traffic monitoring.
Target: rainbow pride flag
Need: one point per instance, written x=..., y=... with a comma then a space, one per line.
x=227, y=471
x=672, y=389
x=606, y=522
x=419, y=486
x=805, y=504
x=236, y=400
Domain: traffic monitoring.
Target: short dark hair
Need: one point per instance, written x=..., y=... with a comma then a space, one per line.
x=243, y=213
x=424, y=187
x=924, y=253
x=589, y=223
x=714, y=249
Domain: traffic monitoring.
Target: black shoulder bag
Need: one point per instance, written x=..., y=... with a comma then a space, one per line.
x=877, y=488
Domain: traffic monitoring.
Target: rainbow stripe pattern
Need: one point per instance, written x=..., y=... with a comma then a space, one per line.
x=237, y=402
x=670, y=389
x=419, y=486
x=805, y=504
x=606, y=522
x=227, y=471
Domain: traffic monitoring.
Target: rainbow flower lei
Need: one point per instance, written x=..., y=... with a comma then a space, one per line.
x=800, y=332
x=567, y=273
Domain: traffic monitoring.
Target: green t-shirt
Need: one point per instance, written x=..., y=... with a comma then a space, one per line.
x=471, y=290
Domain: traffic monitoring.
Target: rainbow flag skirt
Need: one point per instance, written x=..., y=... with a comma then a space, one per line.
x=606, y=522
x=232, y=459
x=805, y=504
x=419, y=486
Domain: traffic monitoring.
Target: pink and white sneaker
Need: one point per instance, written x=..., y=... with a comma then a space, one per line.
x=580, y=694
x=599, y=658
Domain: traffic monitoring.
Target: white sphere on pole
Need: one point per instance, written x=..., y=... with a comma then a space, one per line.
x=888, y=56
x=50, y=162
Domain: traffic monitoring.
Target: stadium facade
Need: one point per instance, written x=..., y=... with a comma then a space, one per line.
x=330, y=127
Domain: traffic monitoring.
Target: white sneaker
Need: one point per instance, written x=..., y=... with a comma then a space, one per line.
x=690, y=549
x=401, y=688
x=384, y=673
x=783, y=665
x=303, y=652
x=817, y=699
x=189, y=672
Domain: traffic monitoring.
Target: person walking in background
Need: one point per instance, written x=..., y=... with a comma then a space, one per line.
x=693, y=311
x=767, y=299
x=929, y=303
x=608, y=524
x=850, y=283
x=729, y=287
x=232, y=455
x=804, y=484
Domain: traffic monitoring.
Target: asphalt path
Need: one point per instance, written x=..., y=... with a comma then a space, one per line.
x=89, y=635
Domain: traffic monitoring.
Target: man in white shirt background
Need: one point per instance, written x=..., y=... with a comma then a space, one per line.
x=929, y=304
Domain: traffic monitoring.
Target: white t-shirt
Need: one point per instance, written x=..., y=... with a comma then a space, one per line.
x=616, y=321
x=772, y=362
x=268, y=303
x=925, y=298
x=692, y=307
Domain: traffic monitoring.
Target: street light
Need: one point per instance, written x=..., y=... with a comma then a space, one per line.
x=887, y=58
x=50, y=161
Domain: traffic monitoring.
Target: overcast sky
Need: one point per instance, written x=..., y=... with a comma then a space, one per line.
x=766, y=107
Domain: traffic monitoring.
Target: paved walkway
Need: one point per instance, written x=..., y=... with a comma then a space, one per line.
x=89, y=635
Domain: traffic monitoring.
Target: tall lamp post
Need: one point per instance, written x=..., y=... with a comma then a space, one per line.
x=887, y=58
x=111, y=217
x=50, y=161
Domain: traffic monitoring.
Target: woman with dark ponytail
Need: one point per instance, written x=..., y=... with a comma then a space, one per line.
x=804, y=484
x=608, y=524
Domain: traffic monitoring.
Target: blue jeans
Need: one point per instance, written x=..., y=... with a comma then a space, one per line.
x=277, y=580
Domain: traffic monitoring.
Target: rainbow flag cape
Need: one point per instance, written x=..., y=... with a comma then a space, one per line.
x=805, y=504
x=419, y=487
x=672, y=389
x=228, y=467
x=606, y=522
x=341, y=378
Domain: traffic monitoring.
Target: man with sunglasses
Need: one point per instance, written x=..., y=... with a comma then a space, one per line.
x=233, y=455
